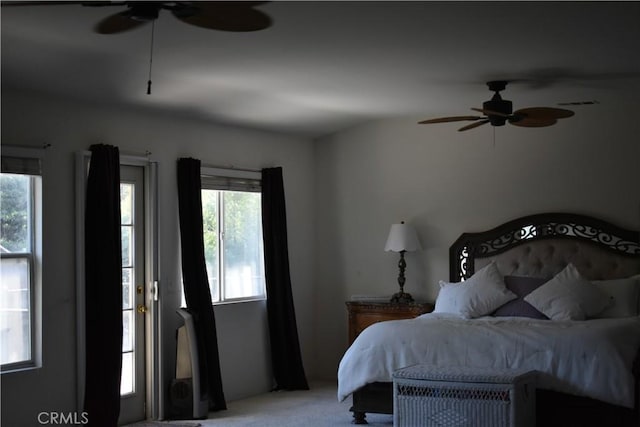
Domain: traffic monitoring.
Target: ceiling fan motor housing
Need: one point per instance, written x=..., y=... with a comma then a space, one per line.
x=144, y=11
x=498, y=105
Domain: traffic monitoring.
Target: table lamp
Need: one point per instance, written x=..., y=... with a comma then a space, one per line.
x=402, y=238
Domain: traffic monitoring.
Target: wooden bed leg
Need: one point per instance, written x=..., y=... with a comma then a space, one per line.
x=359, y=417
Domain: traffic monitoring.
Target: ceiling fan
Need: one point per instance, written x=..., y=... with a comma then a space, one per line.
x=236, y=16
x=498, y=112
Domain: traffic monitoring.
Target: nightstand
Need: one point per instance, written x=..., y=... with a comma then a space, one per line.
x=363, y=314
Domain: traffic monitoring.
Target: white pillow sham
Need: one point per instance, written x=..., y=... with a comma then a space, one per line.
x=568, y=296
x=625, y=296
x=477, y=296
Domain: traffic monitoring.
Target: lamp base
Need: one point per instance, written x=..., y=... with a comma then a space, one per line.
x=401, y=298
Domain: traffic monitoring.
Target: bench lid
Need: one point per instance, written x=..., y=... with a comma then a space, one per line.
x=472, y=374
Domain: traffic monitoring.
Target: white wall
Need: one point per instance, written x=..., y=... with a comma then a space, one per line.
x=242, y=328
x=447, y=182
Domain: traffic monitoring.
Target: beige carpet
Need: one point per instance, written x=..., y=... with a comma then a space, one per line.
x=165, y=424
x=317, y=407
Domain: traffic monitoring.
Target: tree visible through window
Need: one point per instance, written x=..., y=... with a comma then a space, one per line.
x=19, y=194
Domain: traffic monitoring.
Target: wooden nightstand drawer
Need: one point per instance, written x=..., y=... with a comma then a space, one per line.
x=363, y=314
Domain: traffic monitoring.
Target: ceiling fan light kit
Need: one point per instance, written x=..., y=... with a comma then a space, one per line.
x=498, y=112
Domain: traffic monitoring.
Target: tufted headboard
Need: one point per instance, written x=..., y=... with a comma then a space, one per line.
x=542, y=245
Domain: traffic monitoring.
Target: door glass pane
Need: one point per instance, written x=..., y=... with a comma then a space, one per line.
x=126, y=203
x=128, y=370
x=127, y=288
x=14, y=311
x=211, y=247
x=242, y=255
x=127, y=246
x=127, y=330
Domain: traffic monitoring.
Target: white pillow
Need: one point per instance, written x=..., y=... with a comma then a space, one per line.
x=625, y=294
x=568, y=296
x=477, y=296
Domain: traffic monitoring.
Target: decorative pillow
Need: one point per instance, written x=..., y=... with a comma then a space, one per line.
x=625, y=295
x=568, y=296
x=521, y=286
x=477, y=296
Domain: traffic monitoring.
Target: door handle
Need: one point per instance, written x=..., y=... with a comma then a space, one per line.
x=142, y=308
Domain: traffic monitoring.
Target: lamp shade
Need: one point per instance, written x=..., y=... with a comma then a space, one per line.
x=402, y=237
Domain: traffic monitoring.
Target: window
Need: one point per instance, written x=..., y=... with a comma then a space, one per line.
x=20, y=256
x=232, y=226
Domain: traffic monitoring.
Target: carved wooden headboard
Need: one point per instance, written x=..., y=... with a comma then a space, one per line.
x=542, y=245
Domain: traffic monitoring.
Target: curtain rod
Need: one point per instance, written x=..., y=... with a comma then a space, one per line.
x=145, y=153
x=129, y=155
x=39, y=147
x=231, y=167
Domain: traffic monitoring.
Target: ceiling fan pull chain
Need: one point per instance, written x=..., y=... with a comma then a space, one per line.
x=153, y=26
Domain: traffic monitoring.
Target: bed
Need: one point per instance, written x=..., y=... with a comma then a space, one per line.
x=564, y=300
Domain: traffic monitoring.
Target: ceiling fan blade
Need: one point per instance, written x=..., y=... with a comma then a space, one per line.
x=224, y=16
x=533, y=122
x=450, y=119
x=117, y=23
x=90, y=3
x=473, y=125
x=544, y=113
x=38, y=3
x=593, y=102
x=490, y=112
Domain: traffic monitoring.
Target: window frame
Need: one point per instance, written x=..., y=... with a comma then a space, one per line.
x=231, y=180
x=33, y=256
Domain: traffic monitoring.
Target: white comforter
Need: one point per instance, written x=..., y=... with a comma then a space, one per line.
x=590, y=358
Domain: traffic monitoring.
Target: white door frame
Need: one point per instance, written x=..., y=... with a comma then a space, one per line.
x=155, y=394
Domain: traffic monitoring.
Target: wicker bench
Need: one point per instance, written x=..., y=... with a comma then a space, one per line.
x=425, y=395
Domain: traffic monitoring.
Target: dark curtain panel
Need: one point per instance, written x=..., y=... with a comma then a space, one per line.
x=196, y=283
x=285, y=348
x=103, y=288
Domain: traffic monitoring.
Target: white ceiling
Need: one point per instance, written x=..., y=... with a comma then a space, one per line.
x=325, y=66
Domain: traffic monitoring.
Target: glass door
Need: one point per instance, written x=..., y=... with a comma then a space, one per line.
x=134, y=308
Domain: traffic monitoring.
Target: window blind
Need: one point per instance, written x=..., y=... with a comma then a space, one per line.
x=21, y=160
x=21, y=165
x=230, y=180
